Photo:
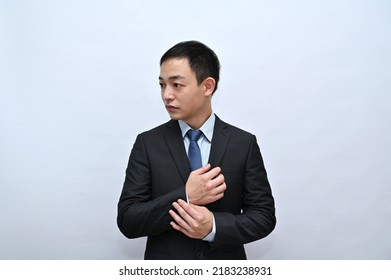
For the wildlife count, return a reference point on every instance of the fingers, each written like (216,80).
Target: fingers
(217,181)
(179,223)
(192,220)
(186,211)
(218,191)
(217,185)
(213,173)
(182,219)
(208,172)
(204,188)
(202,169)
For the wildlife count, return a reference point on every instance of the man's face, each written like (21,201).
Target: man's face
(183,97)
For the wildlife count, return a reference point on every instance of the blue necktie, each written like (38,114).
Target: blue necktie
(194,153)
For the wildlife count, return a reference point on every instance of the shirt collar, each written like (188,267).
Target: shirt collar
(206,128)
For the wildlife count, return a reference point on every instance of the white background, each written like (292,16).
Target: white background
(311,79)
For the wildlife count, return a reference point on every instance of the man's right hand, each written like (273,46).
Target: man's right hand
(205,185)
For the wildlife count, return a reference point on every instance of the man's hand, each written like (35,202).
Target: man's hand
(205,185)
(192,220)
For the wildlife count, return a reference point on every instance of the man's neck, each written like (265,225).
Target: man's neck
(197,123)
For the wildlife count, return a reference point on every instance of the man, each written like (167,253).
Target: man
(195,196)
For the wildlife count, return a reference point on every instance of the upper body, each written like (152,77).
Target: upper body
(206,213)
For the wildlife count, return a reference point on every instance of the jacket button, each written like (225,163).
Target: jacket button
(200,255)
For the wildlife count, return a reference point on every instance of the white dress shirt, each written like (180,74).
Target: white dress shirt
(204,142)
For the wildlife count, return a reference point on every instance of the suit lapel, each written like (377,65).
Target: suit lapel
(219,143)
(173,137)
(175,144)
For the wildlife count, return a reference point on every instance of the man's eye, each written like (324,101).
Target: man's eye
(161,85)
(177,85)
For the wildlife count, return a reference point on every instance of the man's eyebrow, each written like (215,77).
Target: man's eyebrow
(176,77)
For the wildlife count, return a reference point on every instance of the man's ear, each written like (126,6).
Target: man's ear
(209,84)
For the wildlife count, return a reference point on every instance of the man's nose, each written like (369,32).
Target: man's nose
(167,94)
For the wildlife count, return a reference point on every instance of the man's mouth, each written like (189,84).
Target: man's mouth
(171,108)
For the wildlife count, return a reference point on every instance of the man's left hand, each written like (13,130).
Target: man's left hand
(192,220)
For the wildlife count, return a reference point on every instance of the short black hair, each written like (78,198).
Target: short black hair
(202,60)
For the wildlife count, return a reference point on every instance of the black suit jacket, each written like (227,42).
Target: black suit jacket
(156,176)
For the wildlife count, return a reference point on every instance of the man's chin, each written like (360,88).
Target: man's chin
(174,117)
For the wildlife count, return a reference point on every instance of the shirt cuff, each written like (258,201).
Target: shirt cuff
(211,236)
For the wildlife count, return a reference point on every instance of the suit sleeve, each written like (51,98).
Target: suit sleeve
(257,219)
(139,214)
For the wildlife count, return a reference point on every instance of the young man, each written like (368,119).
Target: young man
(200,194)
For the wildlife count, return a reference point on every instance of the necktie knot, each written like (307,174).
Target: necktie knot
(194,134)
